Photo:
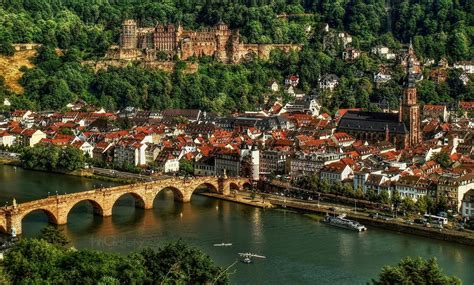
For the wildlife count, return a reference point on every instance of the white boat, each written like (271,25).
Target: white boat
(222,244)
(342,222)
(247,257)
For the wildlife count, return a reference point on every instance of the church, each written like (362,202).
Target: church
(402,129)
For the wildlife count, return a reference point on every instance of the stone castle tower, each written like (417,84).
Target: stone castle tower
(129,34)
(409,108)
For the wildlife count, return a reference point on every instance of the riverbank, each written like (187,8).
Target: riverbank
(9,161)
(393,225)
(321,209)
(83,172)
(241,200)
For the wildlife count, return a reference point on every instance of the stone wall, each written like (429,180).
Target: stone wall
(167,66)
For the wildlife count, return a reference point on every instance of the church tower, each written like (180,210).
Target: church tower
(409,108)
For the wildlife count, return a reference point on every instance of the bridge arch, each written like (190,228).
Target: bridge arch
(97,208)
(234,186)
(177,193)
(52,218)
(211,186)
(246,185)
(140,201)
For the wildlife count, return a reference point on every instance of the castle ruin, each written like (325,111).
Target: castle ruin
(166,42)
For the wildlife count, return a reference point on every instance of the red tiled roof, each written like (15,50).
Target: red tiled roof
(4,134)
(438,108)
(466,105)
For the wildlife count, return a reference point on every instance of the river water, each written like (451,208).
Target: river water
(299,250)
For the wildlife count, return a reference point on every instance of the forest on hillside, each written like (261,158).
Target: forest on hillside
(84,29)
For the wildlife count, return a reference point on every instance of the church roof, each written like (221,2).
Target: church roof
(371,122)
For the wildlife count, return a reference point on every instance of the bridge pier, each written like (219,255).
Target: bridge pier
(60,220)
(145,204)
(105,212)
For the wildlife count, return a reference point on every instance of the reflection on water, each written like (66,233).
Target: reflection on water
(298,250)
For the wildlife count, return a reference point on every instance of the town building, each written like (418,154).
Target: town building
(335,172)
(435,112)
(384,52)
(6,139)
(453,187)
(328,82)
(30,137)
(414,187)
(167,162)
(466,66)
(205,167)
(350,54)
(467,208)
(310,164)
(273,162)
(227,162)
(129,151)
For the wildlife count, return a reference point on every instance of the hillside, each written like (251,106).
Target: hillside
(10,68)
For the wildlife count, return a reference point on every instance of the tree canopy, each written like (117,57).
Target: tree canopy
(416,271)
(36,261)
(52,158)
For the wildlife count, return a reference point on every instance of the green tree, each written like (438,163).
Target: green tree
(186,166)
(36,261)
(71,159)
(384,197)
(407,205)
(422,204)
(415,271)
(396,199)
(177,263)
(371,195)
(54,236)
(359,194)
(33,261)
(443,159)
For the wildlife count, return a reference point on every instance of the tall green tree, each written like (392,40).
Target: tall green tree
(416,271)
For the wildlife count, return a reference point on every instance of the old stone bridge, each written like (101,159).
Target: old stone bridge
(58,207)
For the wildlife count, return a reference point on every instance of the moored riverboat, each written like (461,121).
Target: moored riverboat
(342,222)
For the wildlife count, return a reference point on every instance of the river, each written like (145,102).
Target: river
(299,250)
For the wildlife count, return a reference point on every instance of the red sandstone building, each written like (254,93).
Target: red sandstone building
(169,41)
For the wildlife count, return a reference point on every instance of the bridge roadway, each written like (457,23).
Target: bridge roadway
(58,207)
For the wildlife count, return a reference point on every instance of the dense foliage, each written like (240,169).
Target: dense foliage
(416,271)
(52,158)
(36,261)
(84,30)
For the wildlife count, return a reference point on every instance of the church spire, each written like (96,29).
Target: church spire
(409,109)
